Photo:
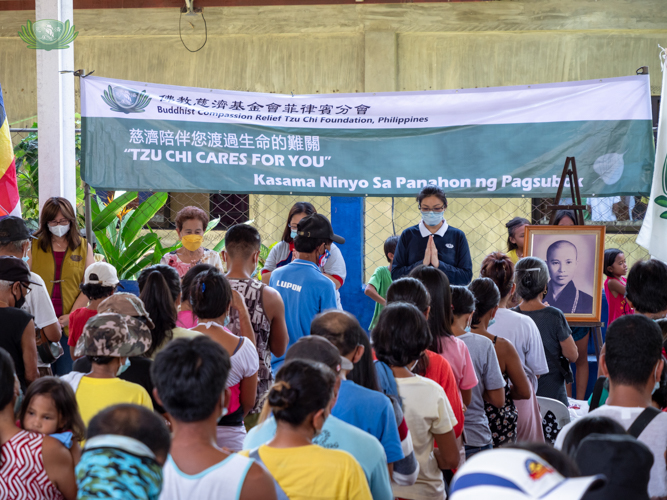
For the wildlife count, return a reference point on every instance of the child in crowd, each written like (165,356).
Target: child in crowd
(516,229)
(211,297)
(381,280)
(301,401)
(99,282)
(49,407)
(491,385)
(186,318)
(400,337)
(615,268)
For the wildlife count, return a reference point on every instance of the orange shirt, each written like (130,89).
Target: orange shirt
(441,373)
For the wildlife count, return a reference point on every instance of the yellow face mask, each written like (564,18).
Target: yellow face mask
(192,241)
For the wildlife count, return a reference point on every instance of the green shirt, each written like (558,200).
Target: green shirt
(381,280)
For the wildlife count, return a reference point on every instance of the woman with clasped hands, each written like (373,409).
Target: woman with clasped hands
(433,242)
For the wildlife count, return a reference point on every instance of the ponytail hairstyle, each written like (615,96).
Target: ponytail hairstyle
(440,317)
(159,289)
(486,295)
(463,300)
(210,294)
(532,276)
(500,269)
(302,387)
(189,277)
(409,290)
(512,226)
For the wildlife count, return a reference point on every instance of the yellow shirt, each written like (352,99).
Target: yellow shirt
(178,333)
(513,256)
(315,473)
(96,394)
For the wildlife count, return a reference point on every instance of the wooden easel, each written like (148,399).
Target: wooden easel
(570,173)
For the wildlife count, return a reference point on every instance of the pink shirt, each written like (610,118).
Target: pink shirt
(186,319)
(456,352)
(618,306)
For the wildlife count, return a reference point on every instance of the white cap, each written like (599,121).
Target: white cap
(102,273)
(509,474)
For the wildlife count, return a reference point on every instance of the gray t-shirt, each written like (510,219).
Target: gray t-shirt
(489,378)
(654,436)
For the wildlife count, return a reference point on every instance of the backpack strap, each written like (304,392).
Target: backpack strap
(238,346)
(280,493)
(597,393)
(642,421)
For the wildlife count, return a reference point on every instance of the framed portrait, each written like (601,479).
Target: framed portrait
(574,257)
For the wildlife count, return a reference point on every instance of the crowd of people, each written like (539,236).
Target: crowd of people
(215,382)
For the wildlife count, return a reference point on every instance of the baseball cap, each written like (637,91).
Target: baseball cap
(317,226)
(625,461)
(13,269)
(109,334)
(316,348)
(126,304)
(14,229)
(101,273)
(513,474)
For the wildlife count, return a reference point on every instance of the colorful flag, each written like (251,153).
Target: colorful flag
(9,191)
(653,234)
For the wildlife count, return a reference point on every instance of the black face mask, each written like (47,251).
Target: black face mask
(18,303)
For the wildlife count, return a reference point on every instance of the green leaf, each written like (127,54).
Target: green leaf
(663,215)
(108,250)
(142,215)
(133,271)
(111,211)
(212,224)
(220,246)
(136,251)
(661,200)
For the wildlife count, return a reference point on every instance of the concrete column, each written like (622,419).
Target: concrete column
(55,110)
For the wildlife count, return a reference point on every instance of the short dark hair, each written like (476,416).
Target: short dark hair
(645,286)
(101,360)
(432,191)
(390,246)
(300,207)
(532,276)
(401,334)
(364,373)
(159,289)
(634,347)
(512,226)
(302,387)
(561,214)
(242,240)
(308,245)
(610,255)
(440,317)
(189,277)
(463,301)
(133,421)
(586,426)
(338,327)
(190,376)
(95,291)
(210,294)
(410,290)
(500,269)
(486,296)
(6,379)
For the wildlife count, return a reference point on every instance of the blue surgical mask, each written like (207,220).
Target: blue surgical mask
(226,322)
(467,329)
(123,367)
(432,218)
(492,321)
(657,381)
(292,234)
(254,273)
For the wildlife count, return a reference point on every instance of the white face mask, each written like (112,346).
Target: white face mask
(59,230)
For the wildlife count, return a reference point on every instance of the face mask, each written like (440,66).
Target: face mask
(19,402)
(123,367)
(254,273)
(467,329)
(292,234)
(432,218)
(226,322)
(656,387)
(324,258)
(18,303)
(192,242)
(59,230)
(492,321)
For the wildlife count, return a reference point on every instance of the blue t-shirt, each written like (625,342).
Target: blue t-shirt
(370,411)
(338,435)
(306,292)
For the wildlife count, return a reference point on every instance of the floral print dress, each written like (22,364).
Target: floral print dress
(502,421)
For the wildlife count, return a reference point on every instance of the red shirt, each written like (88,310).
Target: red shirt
(441,373)
(77,320)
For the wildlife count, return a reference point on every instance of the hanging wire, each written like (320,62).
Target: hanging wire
(181,35)
(393,224)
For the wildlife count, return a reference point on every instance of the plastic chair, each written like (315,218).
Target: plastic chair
(556,407)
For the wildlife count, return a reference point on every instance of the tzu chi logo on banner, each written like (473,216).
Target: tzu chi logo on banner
(126,101)
(48,34)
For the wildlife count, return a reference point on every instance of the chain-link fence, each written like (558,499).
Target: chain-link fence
(482,219)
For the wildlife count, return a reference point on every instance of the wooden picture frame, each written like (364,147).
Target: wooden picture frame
(577,287)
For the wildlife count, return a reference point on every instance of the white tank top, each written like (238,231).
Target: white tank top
(222,481)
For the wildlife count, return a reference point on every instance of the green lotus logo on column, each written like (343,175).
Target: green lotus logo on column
(662,200)
(126,101)
(48,34)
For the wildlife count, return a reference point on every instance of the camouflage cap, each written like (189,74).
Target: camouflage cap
(126,304)
(113,334)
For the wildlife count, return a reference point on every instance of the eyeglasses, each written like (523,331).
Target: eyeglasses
(294,227)
(27,288)
(60,222)
(441,208)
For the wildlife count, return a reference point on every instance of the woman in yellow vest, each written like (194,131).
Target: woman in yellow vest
(60,256)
